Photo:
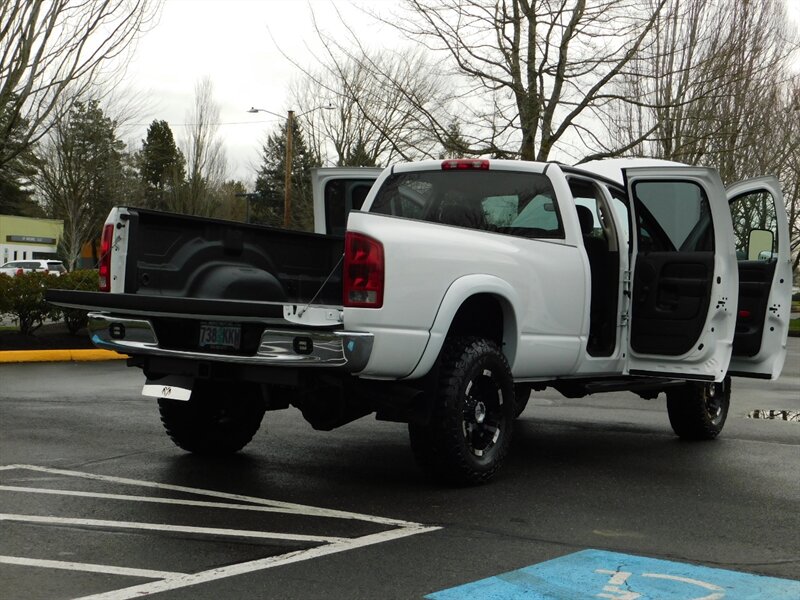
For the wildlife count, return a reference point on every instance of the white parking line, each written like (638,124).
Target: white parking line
(256,565)
(244,533)
(311,511)
(146,499)
(87,567)
(169,581)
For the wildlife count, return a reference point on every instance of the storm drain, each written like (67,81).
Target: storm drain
(776,415)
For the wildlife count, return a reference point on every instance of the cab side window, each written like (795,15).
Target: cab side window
(619,204)
(673,216)
(755,226)
(587,195)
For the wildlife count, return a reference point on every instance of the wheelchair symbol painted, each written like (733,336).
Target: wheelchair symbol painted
(615,576)
(614,589)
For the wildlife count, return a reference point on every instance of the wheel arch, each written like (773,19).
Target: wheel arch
(478,305)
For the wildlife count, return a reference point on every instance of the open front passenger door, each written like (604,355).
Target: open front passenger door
(684,278)
(761,237)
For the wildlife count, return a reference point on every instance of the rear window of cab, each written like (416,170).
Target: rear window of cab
(506,202)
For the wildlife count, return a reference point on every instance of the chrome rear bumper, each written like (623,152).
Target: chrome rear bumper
(278,348)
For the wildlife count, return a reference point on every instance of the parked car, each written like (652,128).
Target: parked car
(17,267)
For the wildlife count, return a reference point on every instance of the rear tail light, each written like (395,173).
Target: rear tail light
(465,164)
(105,258)
(363,271)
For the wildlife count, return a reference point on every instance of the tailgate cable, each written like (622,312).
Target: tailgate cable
(324,283)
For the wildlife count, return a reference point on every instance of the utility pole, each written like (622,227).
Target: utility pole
(287,182)
(287,185)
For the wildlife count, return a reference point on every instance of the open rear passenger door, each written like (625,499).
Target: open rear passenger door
(684,279)
(337,191)
(761,237)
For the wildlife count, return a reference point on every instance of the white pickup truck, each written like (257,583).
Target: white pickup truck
(459,287)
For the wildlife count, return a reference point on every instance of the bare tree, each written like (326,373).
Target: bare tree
(233,202)
(383,103)
(80,174)
(49,47)
(790,173)
(712,82)
(716,87)
(534,72)
(206,164)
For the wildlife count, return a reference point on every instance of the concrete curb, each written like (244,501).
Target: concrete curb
(24,356)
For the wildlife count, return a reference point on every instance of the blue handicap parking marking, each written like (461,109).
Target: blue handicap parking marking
(614,576)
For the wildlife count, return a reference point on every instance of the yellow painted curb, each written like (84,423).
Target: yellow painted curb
(19,356)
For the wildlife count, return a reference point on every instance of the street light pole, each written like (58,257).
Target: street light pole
(287,182)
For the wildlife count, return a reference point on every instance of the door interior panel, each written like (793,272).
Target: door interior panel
(671,295)
(755,283)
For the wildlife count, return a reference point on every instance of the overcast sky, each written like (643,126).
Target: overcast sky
(235,43)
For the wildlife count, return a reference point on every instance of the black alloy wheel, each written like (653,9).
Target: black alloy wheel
(469,433)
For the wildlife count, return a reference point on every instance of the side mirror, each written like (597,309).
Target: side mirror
(759,244)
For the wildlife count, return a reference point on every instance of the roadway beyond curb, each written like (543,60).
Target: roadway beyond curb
(19,356)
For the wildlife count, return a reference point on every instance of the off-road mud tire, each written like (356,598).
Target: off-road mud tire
(469,433)
(213,421)
(522,393)
(697,411)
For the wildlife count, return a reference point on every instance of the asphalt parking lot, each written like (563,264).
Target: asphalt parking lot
(599,499)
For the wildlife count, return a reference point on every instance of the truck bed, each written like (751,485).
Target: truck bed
(183,272)
(183,256)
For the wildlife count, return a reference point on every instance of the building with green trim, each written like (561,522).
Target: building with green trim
(23,238)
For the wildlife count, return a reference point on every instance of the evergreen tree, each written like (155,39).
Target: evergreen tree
(268,209)
(162,165)
(454,145)
(358,155)
(15,173)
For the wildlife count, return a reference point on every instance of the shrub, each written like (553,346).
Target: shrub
(25,300)
(87,279)
(794,326)
(5,293)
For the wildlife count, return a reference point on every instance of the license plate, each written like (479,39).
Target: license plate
(220,336)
